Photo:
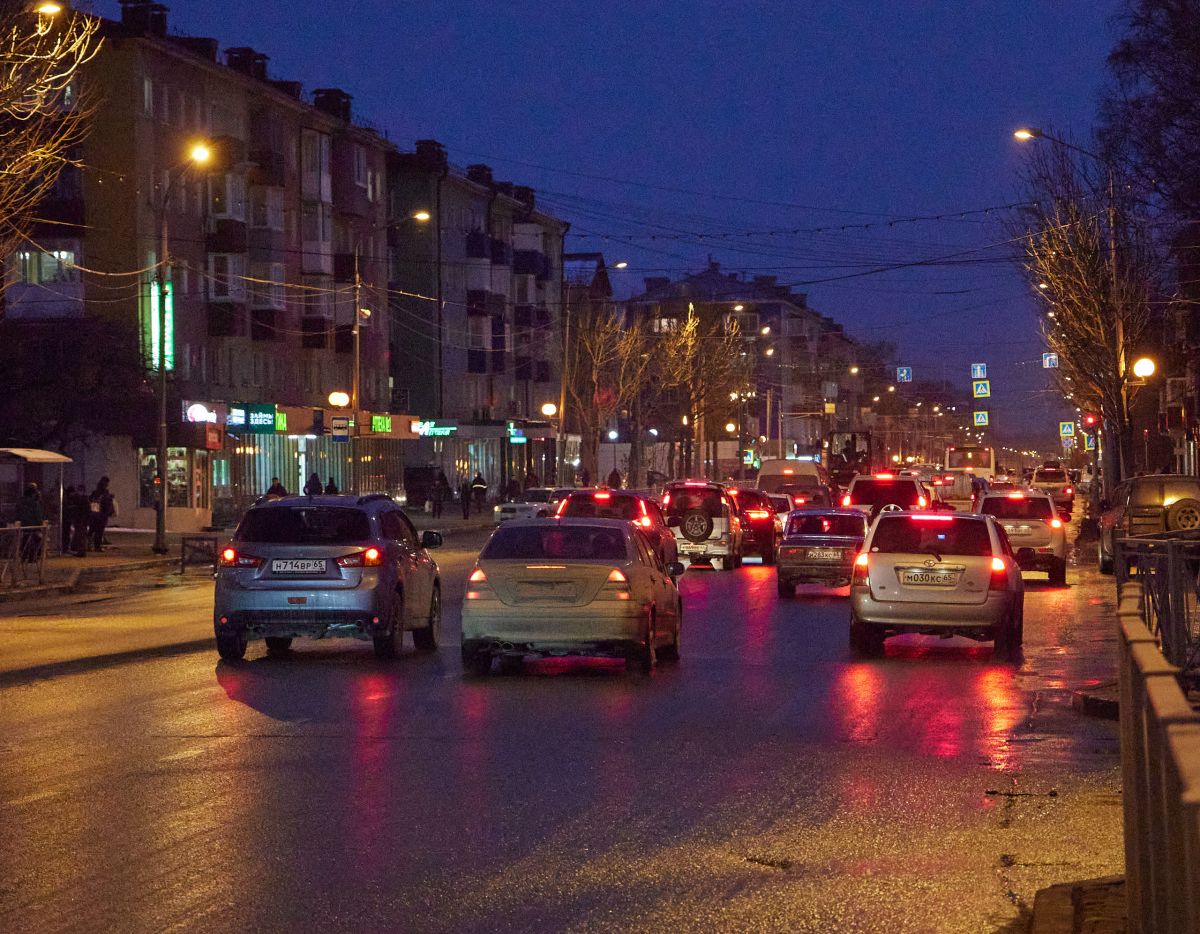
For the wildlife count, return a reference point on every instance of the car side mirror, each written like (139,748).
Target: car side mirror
(673,522)
(431,539)
(675,569)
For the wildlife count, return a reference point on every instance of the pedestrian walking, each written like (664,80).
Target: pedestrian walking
(585,478)
(464,496)
(102,507)
(276,488)
(79,509)
(614,479)
(331,488)
(313,486)
(441,489)
(30,516)
(479,490)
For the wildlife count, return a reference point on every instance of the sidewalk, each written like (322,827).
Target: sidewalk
(1094,906)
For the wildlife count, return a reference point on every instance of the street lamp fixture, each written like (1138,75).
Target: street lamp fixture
(739,307)
(876,399)
(1026,133)
(770,351)
(766,329)
(339,399)
(200,153)
(730,427)
(48,9)
(612,435)
(621,265)
(853,371)
(1143,367)
(421,216)
(549,410)
(654,432)
(891,388)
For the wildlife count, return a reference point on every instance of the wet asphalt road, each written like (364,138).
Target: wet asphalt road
(769,781)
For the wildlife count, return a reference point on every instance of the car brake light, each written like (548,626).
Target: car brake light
(931,517)
(998,566)
(617,576)
(1056,523)
(479,579)
(666,499)
(922,502)
(562,506)
(757,514)
(370,558)
(846,500)
(800,501)
(788,471)
(1016,495)
(999,579)
(602,495)
(1069,491)
(617,584)
(860,575)
(646,522)
(885,476)
(231,558)
(478,576)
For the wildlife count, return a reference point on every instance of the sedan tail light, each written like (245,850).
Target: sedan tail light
(846,501)
(232,558)
(757,514)
(477,585)
(860,576)
(1069,491)
(617,585)
(368,558)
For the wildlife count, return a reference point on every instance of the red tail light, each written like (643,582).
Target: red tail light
(860,576)
(232,558)
(666,499)
(800,501)
(1056,523)
(1016,495)
(617,576)
(922,502)
(369,558)
(1070,491)
(617,584)
(757,514)
(999,579)
(479,580)
(602,495)
(562,506)
(884,476)
(646,522)
(846,500)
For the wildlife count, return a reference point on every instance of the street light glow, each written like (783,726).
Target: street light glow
(621,265)
(421,216)
(730,427)
(853,371)
(766,329)
(48,9)
(339,399)
(200,153)
(1026,133)
(738,307)
(549,410)
(612,434)
(1143,368)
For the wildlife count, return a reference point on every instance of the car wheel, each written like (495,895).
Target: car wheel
(670,653)
(1058,574)
(426,639)
(1105,562)
(645,656)
(278,645)
(1183,515)
(389,644)
(787,589)
(865,638)
(231,646)
(476,663)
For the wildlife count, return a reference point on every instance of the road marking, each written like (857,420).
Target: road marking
(30,799)
(182,754)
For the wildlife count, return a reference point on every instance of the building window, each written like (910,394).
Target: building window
(360,166)
(268,291)
(227,196)
(35,267)
(266,208)
(148,97)
(665,325)
(226,281)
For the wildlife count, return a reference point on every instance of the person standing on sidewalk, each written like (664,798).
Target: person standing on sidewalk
(101,507)
(331,488)
(464,496)
(313,486)
(441,487)
(276,488)
(30,516)
(479,490)
(79,513)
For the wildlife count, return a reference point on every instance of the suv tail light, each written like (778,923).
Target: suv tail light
(1056,523)
(999,579)
(232,558)
(860,576)
(846,500)
(367,558)
(757,514)
(922,502)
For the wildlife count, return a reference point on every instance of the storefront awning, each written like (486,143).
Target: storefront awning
(36,455)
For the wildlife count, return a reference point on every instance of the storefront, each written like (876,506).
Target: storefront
(500,452)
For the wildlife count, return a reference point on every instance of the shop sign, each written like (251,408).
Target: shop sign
(212,437)
(381,424)
(199,412)
(518,439)
(281,421)
(433,429)
(255,419)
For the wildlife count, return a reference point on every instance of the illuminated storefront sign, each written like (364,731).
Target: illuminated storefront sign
(152,340)
(255,419)
(434,429)
(381,424)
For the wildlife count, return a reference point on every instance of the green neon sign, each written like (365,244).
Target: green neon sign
(381,424)
(153,341)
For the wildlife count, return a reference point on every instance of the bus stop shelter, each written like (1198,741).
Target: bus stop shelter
(19,466)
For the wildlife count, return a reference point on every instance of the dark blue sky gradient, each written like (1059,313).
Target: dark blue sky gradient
(778,115)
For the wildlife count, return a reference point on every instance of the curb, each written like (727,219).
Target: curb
(1053,911)
(79,576)
(1095,906)
(1098,701)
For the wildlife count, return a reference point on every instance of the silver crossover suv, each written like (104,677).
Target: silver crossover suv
(327,566)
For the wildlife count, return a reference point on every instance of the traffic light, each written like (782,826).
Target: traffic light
(1090,422)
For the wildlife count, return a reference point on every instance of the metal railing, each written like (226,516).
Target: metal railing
(1167,566)
(1160,770)
(23,555)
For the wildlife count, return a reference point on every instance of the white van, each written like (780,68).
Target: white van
(777,473)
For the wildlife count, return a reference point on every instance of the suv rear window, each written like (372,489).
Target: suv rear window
(932,534)
(828,525)
(304,525)
(601,506)
(1004,507)
(1050,476)
(872,491)
(684,499)
(556,542)
(752,499)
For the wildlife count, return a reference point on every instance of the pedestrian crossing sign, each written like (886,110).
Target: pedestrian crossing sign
(1066,429)
(981,388)
(981,419)
(1089,442)
(1050,361)
(978,371)
(904,374)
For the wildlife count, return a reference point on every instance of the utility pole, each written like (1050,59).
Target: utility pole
(355,384)
(160,519)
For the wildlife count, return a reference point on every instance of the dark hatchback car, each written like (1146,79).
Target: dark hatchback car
(642,511)
(759,533)
(819,547)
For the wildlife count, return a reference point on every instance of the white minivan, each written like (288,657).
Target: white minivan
(777,473)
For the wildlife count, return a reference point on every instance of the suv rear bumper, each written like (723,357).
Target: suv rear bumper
(358,613)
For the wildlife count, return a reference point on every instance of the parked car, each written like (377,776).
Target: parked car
(591,587)
(705,521)
(871,493)
(1034,530)
(936,574)
(535,503)
(760,534)
(1143,505)
(324,567)
(638,508)
(819,547)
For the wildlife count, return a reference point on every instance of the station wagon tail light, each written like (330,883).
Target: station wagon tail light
(846,500)
(999,575)
(998,566)
(757,514)
(368,558)
(1056,523)
(231,558)
(860,570)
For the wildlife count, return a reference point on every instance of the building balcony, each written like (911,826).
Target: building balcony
(270,168)
(501,253)
(263,245)
(531,263)
(226,236)
(225,319)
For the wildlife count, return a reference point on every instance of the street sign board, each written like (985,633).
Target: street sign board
(1066,429)
(978,371)
(1068,443)
(981,388)
(904,374)
(1089,442)
(1049,361)
(981,419)
(339,428)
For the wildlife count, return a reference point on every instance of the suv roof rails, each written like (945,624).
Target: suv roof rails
(372,497)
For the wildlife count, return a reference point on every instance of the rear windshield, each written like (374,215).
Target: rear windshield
(852,526)
(304,525)
(1002,507)
(1050,476)
(602,506)
(874,492)
(751,499)
(556,542)
(684,500)
(537,496)
(938,535)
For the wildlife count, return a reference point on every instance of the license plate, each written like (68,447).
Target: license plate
(693,549)
(298,566)
(1017,532)
(929,578)
(824,554)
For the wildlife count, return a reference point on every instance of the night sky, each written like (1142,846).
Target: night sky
(675,119)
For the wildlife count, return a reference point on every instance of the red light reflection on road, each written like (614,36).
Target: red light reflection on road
(858,692)
(374,700)
(1001,712)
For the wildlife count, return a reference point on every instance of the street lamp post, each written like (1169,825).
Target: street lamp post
(199,155)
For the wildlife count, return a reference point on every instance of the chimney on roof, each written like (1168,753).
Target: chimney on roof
(144,18)
(480,174)
(525,195)
(431,155)
(247,61)
(333,101)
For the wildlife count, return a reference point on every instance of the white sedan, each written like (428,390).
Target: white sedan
(590,587)
(535,503)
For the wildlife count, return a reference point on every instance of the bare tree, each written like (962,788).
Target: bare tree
(42,112)
(1093,262)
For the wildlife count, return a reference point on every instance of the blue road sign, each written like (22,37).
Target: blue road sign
(1049,361)
(981,389)
(1089,442)
(904,374)
(1068,443)
(981,419)
(339,428)
(1066,429)
(978,371)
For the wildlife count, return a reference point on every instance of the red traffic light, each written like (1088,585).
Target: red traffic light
(1090,421)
